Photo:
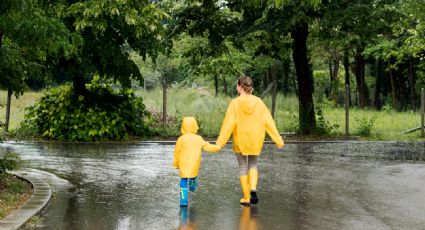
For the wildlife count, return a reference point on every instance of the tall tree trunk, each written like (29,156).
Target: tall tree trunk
(263,83)
(286,69)
(360,79)
(216,85)
(294,81)
(8,103)
(1,38)
(347,71)
(78,82)
(412,83)
(328,91)
(378,89)
(307,119)
(393,90)
(164,103)
(330,70)
(272,77)
(79,85)
(335,79)
(403,91)
(400,87)
(225,86)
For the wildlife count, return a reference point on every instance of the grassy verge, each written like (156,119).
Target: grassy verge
(209,111)
(13,193)
(17,108)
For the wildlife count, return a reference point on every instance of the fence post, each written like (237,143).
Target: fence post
(422,112)
(347,108)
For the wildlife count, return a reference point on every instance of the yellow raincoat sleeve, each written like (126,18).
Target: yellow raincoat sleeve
(210,147)
(177,149)
(228,125)
(272,130)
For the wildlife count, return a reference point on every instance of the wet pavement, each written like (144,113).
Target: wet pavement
(352,185)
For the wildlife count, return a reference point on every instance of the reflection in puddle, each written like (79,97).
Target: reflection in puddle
(187,218)
(302,187)
(248,219)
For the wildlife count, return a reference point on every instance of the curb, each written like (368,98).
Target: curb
(40,198)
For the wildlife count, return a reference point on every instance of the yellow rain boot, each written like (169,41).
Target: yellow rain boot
(245,190)
(253,180)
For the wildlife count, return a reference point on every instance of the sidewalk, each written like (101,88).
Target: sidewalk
(39,199)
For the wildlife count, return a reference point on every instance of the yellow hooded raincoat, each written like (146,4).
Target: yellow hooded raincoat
(187,152)
(248,119)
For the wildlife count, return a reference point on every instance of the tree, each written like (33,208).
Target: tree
(28,35)
(109,29)
(291,17)
(352,27)
(396,56)
(285,17)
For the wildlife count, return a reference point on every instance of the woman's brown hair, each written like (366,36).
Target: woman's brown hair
(246,83)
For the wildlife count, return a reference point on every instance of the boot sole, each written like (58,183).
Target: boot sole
(254,198)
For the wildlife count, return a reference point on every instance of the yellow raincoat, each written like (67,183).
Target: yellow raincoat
(248,119)
(187,152)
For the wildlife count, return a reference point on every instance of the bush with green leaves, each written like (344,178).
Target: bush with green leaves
(364,125)
(102,114)
(323,127)
(9,161)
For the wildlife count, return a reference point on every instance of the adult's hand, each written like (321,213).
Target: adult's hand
(280,146)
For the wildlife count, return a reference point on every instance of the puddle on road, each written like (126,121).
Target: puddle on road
(353,185)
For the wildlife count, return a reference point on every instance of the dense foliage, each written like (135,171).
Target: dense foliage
(311,49)
(103,114)
(9,161)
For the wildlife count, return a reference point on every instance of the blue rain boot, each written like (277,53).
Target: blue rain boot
(193,184)
(184,184)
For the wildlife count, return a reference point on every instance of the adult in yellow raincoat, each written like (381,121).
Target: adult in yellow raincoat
(187,157)
(248,119)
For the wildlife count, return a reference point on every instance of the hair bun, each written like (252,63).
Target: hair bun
(246,83)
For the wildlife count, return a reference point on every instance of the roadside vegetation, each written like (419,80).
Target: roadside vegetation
(368,124)
(13,191)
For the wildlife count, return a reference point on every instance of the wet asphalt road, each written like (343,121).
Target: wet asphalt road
(352,185)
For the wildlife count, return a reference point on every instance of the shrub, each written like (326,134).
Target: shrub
(172,126)
(364,125)
(387,108)
(323,127)
(102,114)
(9,162)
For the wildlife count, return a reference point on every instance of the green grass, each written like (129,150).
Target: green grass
(17,109)
(387,125)
(209,111)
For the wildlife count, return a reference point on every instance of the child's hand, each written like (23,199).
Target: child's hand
(211,148)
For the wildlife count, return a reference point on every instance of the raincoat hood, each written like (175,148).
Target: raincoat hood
(247,103)
(189,125)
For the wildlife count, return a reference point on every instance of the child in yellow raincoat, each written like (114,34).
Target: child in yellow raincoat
(247,119)
(187,157)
